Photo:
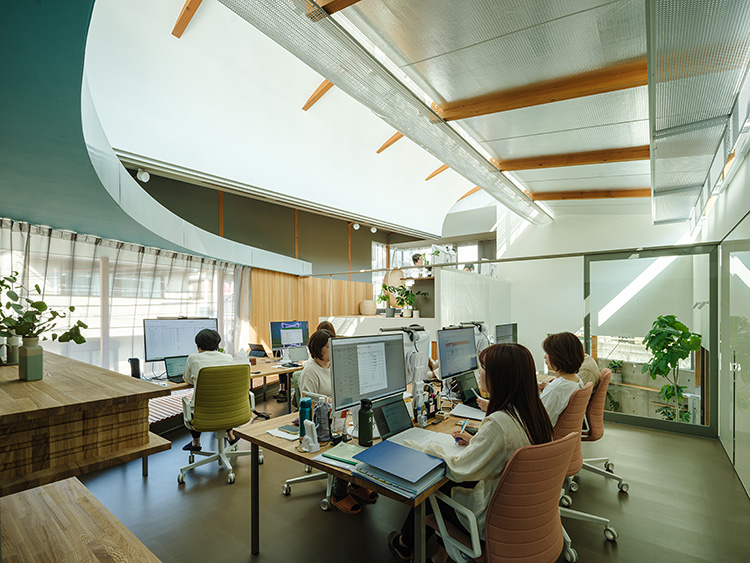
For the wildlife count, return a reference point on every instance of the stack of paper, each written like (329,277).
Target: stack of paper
(344,452)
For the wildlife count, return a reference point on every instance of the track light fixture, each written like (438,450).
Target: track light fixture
(373,230)
(355,226)
(142,175)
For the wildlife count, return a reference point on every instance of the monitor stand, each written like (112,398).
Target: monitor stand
(285,355)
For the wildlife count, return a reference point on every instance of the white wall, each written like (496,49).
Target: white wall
(730,207)
(226,100)
(546,296)
(467,296)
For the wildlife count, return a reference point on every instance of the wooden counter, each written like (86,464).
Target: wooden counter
(79,418)
(65,522)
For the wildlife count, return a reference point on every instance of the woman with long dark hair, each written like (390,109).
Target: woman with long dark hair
(515,418)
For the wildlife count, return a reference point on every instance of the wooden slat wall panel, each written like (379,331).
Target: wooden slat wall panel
(283,297)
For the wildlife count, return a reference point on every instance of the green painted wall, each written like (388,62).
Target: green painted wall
(322,240)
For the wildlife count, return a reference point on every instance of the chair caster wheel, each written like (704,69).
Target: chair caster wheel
(609,466)
(573,487)
(308,469)
(624,487)
(325,505)
(230,478)
(610,534)
(571,556)
(191,458)
(566,501)
(181,479)
(286,490)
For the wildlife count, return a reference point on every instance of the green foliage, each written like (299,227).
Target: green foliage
(384,296)
(25,317)
(670,341)
(615,365)
(613,405)
(403,295)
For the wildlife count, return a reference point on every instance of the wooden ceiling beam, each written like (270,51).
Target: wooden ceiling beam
(609,79)
(473,190)
(589,194)
(319,93)
(443,168)
(626,154)
(187,13)
(396,136)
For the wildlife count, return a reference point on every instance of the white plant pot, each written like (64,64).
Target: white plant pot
(406,313)
(415,314)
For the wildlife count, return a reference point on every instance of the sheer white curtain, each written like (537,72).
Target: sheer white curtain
(142,283)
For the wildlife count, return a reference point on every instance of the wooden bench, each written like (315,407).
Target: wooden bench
(63,521)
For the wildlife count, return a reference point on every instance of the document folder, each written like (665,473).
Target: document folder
(405,463)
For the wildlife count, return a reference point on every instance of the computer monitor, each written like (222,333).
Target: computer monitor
(506,334)
(163,338)
(289,334)
(366,367)
(457,351)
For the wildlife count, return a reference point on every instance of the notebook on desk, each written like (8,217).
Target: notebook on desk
(175,368)
(395,425)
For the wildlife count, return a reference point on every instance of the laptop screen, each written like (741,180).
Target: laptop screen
(466,382)
(175,366)
(391,416)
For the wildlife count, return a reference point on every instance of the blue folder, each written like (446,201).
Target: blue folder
(406,463)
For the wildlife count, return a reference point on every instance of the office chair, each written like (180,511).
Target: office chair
(221,400)
(523,523)
(571,420)
(595,418)
(286,488)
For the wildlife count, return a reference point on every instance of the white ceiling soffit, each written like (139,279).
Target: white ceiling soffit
(327,48)
(698,56)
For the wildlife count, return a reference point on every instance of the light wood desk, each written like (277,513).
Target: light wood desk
(63,521)
(256,434)
(79,418)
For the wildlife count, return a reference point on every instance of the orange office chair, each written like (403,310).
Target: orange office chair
(571,420)
(523,521)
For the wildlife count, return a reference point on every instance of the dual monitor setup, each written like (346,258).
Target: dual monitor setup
(172,340)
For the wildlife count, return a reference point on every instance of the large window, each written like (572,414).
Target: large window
(141,283)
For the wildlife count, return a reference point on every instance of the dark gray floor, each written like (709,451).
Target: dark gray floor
(685,505)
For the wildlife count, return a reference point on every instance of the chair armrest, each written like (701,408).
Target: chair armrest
(187,411)
(476,546)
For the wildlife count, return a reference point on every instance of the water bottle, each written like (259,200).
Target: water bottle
(365,423)
(305,413)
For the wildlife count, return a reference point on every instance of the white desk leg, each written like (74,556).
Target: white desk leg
(420,534)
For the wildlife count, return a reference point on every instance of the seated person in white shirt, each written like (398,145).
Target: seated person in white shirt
(515,418)
(207,341)
(563,354)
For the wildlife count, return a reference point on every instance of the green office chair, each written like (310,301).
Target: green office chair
(221,400)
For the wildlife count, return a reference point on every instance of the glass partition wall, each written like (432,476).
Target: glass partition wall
(624,293)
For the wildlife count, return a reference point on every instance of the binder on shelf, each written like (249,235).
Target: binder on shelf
(399,461)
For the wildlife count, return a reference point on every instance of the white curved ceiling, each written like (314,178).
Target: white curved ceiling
(225,101)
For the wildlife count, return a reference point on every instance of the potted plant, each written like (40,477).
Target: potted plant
(417,295)
(616,367)
(30,319)
(385,297)
(670,341)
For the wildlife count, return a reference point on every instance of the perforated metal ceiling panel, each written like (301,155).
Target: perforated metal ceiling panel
(459,50)
(576,140)
(639,167)
(621,106)
(698,56)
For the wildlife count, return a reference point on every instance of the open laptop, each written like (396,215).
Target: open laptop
(467,384)
(394,424)
(257,351)
(175,368)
